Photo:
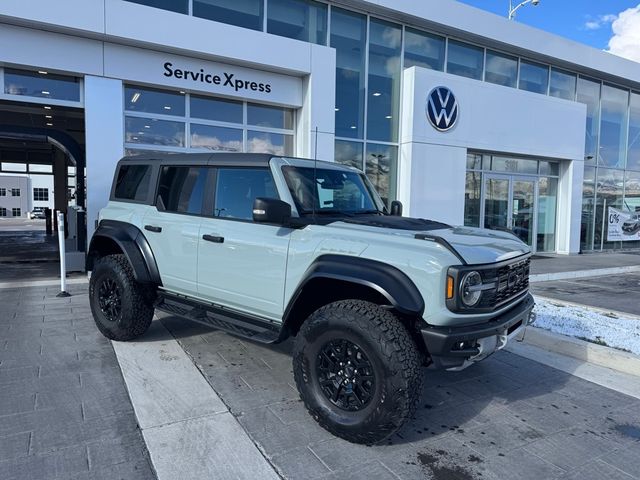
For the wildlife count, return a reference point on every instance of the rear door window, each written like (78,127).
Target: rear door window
(181,189)
(133,183)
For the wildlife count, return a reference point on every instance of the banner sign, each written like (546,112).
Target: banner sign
(623,226)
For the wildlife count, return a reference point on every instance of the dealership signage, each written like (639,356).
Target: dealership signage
(197,75)
(442,108)
(623,226)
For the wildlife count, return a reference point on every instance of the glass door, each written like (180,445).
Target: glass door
(509,203)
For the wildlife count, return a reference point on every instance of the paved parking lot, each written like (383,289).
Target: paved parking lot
(616,292)
(508,417)
(64,408)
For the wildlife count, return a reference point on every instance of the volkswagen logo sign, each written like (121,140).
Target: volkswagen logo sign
(442,109)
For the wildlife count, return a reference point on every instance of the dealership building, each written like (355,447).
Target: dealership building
(464,116)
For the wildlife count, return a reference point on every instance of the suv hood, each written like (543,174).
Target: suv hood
(474,245)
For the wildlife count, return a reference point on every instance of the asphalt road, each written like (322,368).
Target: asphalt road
(615,292)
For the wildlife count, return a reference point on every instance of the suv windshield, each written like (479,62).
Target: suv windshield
(335,192)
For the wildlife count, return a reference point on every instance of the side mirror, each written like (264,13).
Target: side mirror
(396,208)
(271,210)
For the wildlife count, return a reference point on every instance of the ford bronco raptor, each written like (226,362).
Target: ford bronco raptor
(269,247)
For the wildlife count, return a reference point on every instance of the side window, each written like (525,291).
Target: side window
(237,188)
(181,189)
(133,182)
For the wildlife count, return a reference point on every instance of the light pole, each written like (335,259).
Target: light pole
(513,10)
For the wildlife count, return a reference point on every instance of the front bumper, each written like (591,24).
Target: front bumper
(443,343)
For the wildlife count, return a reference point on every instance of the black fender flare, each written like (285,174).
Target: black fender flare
(389,281)
(134,246)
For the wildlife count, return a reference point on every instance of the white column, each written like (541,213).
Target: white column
(318,110)
(569,206)
(104,130)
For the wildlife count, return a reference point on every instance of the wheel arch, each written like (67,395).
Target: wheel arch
(115,237)
(339,277)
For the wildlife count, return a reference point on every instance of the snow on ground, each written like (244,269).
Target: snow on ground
(580,322)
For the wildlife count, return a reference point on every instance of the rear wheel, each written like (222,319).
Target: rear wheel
(357,370)
(122,308)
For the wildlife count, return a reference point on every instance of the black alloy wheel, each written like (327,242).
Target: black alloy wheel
(110,299)
(346,375)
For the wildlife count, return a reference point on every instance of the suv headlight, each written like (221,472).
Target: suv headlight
(471,288)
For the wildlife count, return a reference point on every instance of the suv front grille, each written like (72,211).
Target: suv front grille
(511,280)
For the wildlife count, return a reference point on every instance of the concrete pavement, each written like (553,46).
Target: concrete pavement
(64,409)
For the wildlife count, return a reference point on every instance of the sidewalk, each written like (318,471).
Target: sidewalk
(545,267)
(64,408)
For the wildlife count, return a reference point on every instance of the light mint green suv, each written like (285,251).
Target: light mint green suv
(270,247)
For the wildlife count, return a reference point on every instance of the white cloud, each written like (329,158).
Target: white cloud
(626,34)
(599,22)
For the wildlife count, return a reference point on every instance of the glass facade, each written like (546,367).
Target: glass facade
(423,49)
(157,120)
(241,13)
(304,20)
(534,77)
(465,60)
(41,84)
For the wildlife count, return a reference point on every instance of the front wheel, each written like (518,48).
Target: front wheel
(122,308)
(357,370)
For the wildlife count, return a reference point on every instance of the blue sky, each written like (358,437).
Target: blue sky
(585,21)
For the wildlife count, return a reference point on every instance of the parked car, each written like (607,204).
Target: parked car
(37,213)
(270,247)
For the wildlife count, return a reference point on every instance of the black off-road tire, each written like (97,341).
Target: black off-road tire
(392,354)
(129,316)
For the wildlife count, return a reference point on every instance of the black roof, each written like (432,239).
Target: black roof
(226,159)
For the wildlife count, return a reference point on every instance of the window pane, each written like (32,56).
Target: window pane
(609,194)
(549,168)
(133,182)
(473,186)
(474,161)
(221,139)
(149,100)
(501,69)
(613,126)
(588,203)
(14,167)
(534,77)
(563,84)
(237,188)
(423,50)
(633,158)
(216,109)
(42,85)
(180,6)
(272,117)
(385,43)
(381,167)
(274,143)
(242,13)
(465,60)
(589,94)
(514,165)
(181,189)
(154,132)
(547,207)
(349,153)
(304,20)
(34,168)
(348,34)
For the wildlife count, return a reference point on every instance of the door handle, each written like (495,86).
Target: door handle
(213,238)
(153,228)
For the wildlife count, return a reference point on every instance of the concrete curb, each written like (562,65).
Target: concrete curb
(598,272)
(585,351)
(42,283)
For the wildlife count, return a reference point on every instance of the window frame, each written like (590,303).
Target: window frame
(3,192)
(41,192)
(14,210)
(3,212)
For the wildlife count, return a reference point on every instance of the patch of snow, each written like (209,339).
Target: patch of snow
(580,322)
